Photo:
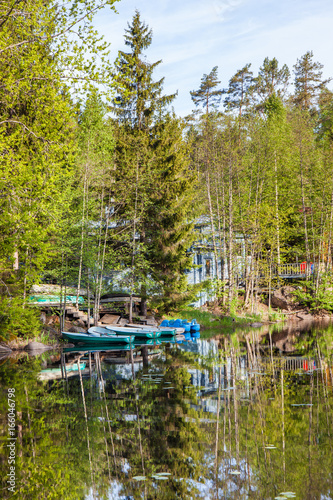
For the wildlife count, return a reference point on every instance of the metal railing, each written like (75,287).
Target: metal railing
(292,363)
(292,270)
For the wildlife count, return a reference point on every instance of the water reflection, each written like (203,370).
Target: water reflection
(231,417)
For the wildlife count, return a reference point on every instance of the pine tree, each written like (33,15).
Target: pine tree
(308,81)
(271,80)
(205,147)
(238,91)
(208,95)
(325,103)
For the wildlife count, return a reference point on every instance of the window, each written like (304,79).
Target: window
(208,266)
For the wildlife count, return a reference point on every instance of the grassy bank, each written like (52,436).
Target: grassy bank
(211,323)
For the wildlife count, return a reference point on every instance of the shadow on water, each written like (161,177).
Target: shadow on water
(248,415)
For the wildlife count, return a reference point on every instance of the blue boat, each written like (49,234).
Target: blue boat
(195,327)
(187,335)
(195,335)
(189,326)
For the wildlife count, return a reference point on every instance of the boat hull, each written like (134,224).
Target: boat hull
(97,338)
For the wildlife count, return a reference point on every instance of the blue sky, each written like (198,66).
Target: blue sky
(193,36)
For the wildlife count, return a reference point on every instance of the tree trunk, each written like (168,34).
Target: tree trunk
(211,216)
(231,236)
(133,243)
(82,241)
(307,249)
(277,214)
(99,270)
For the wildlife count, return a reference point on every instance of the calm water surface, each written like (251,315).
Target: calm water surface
(246,416)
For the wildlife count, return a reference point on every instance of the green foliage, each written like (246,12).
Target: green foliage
(308,81)
(37,137)
(316,298)
(274,106)
(17,320)
(238,93)
(275,315)
(234,306)
(215,288)
(271,80)
(82,193)
(90,250)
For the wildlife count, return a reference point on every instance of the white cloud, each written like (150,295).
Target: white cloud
(221,7)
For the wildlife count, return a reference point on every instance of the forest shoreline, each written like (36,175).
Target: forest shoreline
(50,336)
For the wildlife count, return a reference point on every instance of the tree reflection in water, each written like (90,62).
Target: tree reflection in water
(226,418)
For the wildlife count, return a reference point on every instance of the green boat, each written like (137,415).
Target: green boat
(97,338)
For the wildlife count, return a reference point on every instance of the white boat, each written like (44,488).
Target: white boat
(143,330)
(165,330)
(138,333)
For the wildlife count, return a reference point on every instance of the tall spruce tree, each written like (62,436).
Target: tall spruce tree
(150,154)
(138,98)
(171,212)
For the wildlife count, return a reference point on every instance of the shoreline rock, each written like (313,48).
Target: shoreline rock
(37,346)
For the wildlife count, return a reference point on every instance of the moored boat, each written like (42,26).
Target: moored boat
(165,330)
(195,335)
(97,337)
(187,326)
(139,333)
(195,327)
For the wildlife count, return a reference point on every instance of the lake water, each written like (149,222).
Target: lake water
(242,416)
